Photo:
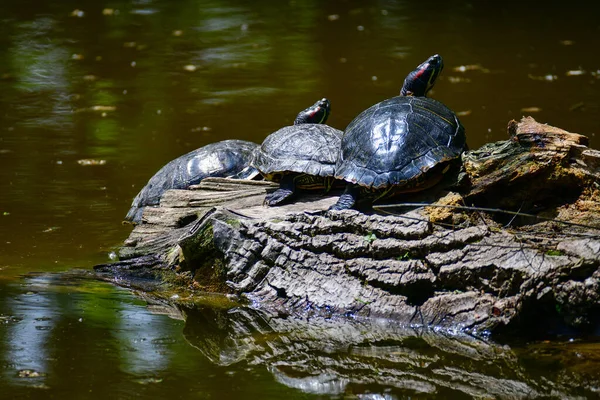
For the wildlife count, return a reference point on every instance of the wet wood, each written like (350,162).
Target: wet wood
(427,265)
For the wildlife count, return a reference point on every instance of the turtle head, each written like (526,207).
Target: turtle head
(315,114)
(418,82)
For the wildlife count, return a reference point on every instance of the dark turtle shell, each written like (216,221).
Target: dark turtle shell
(395,142)
(305,149)
(228,158)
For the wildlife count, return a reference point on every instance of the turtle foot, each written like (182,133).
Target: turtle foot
(278,197)
(345,202)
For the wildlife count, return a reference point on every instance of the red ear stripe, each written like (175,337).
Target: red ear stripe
(420,72)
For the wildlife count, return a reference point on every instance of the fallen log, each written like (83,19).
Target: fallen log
(512,243)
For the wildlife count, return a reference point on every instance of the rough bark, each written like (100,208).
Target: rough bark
(437,265)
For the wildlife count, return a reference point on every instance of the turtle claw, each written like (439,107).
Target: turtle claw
(278,197)
(346,200)
(285,191)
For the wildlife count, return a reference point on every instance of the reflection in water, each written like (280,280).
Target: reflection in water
(143,337)
(27,340)
(335,356)
(135,84)
(63,324)
(67,336)
(43,76)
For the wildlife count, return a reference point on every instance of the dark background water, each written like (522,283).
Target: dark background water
(131,85)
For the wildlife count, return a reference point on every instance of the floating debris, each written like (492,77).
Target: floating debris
(90,161)
(51,229)
(575,72)
(102,109)
(190,68)
(5,213)
(548,78)
(77,57)
(360,28)
(29,373)
(90,78)
(109,11)
(458,79)
(566,42)
(129,44)
(464,113)
(577,106)
(333,17)
(201,129)
(144,11)
(148,381)
(531,109)
(77,13)
(177,32)
(471,67)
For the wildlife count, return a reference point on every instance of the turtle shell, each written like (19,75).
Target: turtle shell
(228,158)
(395,142)
(305,149)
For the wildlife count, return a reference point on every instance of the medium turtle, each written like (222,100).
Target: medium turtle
(301,156)
(401,144)
(228,158)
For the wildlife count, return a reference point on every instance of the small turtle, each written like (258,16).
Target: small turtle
(301,156)
(401,144)
(228,158)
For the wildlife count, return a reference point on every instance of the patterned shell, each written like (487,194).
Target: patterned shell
(305,148)
(398,140)
(228,158)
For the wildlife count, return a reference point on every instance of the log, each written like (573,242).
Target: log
(509,244)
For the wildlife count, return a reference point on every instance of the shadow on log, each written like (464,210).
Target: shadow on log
(528,261)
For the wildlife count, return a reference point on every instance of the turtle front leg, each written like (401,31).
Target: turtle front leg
(347,199)
(286,190)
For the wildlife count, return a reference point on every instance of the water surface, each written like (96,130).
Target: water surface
(97,95)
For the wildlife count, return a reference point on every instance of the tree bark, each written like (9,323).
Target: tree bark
(444,265)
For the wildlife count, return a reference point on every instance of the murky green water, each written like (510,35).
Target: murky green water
(133,84)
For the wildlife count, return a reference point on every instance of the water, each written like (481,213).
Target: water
(131,85)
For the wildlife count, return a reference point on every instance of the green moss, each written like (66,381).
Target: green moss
(233,222)
(370,238)
(554,253)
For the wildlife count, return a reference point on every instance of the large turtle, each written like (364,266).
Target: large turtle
(228,158)
(301,156)
(401,144)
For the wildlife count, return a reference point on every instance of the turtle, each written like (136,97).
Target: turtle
(301,156)
(227,158)
(402,144)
